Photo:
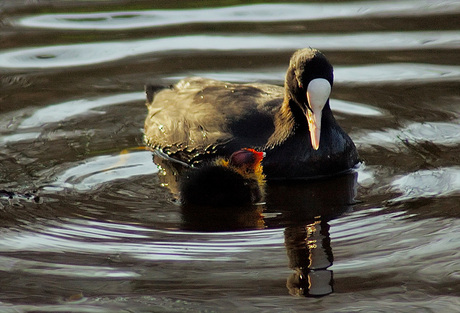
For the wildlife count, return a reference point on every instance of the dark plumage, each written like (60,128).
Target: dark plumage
(198,118)
(237,181)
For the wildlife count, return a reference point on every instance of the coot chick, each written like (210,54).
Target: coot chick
(237,181)
(198,118)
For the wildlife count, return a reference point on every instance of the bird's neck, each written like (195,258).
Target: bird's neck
(290,120)
(284,124)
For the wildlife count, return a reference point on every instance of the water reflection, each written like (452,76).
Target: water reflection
(301,203)
(230,219)
(303,208)
(310,255)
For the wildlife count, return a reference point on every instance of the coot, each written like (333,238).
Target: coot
(199,118)
(237,181)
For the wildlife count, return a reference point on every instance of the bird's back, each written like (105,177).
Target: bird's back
(200,115)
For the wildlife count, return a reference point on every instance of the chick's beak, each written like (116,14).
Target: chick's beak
(259,156)
(318,92)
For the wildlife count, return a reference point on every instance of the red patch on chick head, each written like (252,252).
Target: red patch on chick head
(246,158)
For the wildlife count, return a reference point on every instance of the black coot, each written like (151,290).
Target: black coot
(237,181)
(200,118)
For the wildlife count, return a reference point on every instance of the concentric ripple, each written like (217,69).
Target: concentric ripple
(62,111)
(94,53)
(85,236)
(103,169)
(391,73)
(255,13)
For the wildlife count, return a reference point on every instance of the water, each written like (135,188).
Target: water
(90,224)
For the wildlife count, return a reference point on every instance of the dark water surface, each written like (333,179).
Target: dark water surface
(90,224)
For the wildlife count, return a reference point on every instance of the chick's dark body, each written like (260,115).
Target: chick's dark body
(218,186)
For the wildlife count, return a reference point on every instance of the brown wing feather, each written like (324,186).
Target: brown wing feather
(198,113)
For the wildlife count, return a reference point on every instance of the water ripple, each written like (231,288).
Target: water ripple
(94,53)
(354,108)
(439,133)
(369,239)
(27,128)
(102,169)
(153,245)
(62,111)
(357,74)
(16,265)
(398,72)
(428,183)
(255,13)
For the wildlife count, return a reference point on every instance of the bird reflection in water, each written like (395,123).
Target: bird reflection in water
(302,208)
(236,181)
(222,195)
(310,255)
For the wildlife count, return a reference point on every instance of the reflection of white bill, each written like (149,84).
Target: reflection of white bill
(320,282)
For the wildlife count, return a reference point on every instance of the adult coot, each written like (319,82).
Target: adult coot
(237,181)
(199,117)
